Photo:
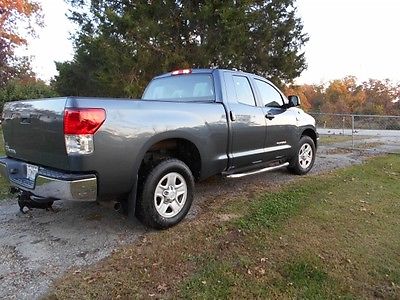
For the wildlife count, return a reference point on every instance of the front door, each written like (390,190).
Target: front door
(281,122)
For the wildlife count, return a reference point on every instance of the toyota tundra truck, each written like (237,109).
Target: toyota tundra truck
(147,153)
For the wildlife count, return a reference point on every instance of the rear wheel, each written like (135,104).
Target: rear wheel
(304,159)
(167,194)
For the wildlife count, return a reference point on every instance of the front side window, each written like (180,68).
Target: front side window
(192,87)
(269,95)
(244,93)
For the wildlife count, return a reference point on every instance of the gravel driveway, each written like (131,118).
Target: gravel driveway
(38,247)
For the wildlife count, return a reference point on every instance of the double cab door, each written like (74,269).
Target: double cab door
(261,129)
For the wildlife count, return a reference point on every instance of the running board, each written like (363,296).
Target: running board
(239,175)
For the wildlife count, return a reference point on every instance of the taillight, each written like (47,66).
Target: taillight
(79,127)
(182,72)
(83,121)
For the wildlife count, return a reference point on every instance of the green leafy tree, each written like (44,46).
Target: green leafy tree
(121,45)
(22,89)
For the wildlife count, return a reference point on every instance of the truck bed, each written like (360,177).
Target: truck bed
(33,132)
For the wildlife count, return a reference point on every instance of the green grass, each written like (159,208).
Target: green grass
(4,187)
(352,215)
(334,139)
(322,237)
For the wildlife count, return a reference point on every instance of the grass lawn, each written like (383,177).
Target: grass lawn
(333,139)
(323,237)
(4,194)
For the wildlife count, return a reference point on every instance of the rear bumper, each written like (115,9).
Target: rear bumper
(49,184)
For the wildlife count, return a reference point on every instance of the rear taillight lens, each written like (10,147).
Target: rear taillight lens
(79,127)
(83,121)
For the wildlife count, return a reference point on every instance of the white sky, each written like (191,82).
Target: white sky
(347,37)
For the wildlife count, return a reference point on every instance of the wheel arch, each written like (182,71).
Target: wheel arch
(311,132)
(176,145)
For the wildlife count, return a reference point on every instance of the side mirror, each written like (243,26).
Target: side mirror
(294,101)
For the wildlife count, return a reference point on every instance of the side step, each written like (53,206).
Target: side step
(239,175)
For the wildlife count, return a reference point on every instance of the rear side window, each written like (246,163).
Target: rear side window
(269,95)
(244,93)
(192,87)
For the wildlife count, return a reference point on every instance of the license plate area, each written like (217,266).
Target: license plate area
(31,172)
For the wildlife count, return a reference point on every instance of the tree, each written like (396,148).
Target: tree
(121,45)
(15,15)
(348,96)
(344,96)
(311,95)
(22,89)
(380,97)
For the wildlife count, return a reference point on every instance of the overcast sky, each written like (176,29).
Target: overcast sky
(347,37)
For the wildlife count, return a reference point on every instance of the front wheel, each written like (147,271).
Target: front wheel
(304,159)
(167,194)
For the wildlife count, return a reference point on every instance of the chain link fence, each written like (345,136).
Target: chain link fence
(359,132)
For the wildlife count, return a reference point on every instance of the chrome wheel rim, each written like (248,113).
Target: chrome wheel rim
(305,156)
(170,195)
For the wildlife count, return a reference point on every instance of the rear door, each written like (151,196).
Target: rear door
(281,122)
(248,124)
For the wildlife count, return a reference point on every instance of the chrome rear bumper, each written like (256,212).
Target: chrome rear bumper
(50,184)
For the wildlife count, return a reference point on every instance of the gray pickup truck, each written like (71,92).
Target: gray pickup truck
(146,154)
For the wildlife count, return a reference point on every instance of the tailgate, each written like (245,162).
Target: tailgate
(33,132)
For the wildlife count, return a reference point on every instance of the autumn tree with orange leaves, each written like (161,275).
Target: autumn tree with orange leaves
(17,20)
(348,95)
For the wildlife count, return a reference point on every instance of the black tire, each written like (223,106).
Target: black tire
(296,165)
(146,206)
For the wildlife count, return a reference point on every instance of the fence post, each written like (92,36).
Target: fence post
(343,123)
(352,132)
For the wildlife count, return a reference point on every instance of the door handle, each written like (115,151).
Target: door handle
(25,121)
(269,116)
(232,115)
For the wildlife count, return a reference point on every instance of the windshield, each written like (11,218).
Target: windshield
(192,87)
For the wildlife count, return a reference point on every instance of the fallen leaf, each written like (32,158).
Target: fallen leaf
(162,287)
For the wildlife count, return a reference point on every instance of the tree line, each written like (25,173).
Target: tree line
(120,45)
(348,95)
(17,80)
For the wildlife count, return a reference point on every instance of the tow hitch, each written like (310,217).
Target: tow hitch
(26,199)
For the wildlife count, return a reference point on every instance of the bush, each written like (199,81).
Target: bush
(18,89)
